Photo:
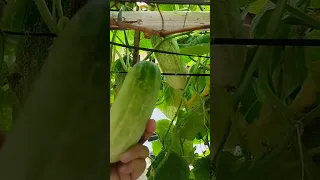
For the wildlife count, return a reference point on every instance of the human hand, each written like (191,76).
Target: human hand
(132,162)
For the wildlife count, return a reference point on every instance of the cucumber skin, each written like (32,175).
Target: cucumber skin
(170,63)
(133,107)
(62,131)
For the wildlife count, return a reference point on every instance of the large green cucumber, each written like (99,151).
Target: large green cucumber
(133,107)
(62,131)
(170,63)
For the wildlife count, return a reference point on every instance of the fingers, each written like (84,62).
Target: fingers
(136,152)
(124,176)
(114,175)
(133,169)
(151,126)
(150,129)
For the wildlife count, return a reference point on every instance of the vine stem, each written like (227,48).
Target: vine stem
(162,20)
(2,44)
(10,9)
(59,9)
(54,11)
(46,15)
(298,126)
(174,137)
(185,18)
(112,55)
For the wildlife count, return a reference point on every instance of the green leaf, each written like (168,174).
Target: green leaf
(162,127)
(315,4)
(259,22)
(294,70)
(197,45)
(257,6)
(175,167)
(156,147)
(192,123)
(121,35)
(262,20)
(184,148)
(201,168)
(197,141)
(144,42)
(5,109)
(221,111)
(172,141)
(245,2)
(312,55)
(224,165)
(167,7)
(250,104)
(198,39)
(196,50)
(170,101)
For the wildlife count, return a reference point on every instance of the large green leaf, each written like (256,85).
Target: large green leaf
(225,162)
(294,70)
(163,131)
(250,104)
(257,6)
(172,140)
(123,35)
(245,2)
(169,101)
(193,123)
(167,7)
(173,167)
(315,4)
(262,21)
(312,55)
(259,23)
(221,113)
(196,50)
(5,108)
(156,147)
(202,168)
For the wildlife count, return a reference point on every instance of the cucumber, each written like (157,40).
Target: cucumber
(62,131)
(170,63)
(133,107)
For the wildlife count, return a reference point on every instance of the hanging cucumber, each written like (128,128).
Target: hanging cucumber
(170,63)
(62,131)
(133,107)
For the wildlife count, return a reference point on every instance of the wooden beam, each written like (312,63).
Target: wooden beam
(173,20)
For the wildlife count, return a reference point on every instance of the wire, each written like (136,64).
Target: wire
(214,41)
(38,34)
(158,51)
(167,74)
(265,42)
